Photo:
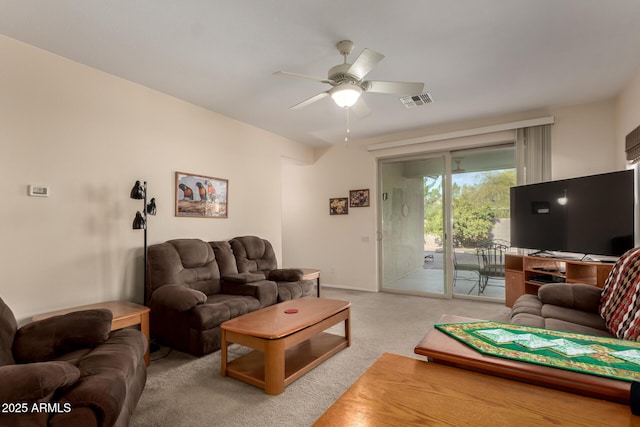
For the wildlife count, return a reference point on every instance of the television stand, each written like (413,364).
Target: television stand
(524,274)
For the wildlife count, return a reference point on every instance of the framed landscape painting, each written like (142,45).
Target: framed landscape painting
(200,196)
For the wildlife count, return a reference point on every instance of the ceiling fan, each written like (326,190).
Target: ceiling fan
(347,84)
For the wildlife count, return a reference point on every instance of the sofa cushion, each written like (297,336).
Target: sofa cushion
(619,306)
(177,297)
(193,252)
(225,258)
(527,303)
(561,325)
(121,352)
(35,382)
(49,338)
(286,275)
(188,262)
(244,277)
(570,315)
(220,308)
(292,290)
(528,319)
(30,384)
(265,291)
(253,254)
(8,328)
(113,376)
(577,296)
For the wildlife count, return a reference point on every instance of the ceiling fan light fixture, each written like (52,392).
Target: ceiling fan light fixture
(346,95)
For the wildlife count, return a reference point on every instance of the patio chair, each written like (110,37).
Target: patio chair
(467,266)
(492,262)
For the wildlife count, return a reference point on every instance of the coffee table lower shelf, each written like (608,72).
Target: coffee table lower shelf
(287,345)
(298,360)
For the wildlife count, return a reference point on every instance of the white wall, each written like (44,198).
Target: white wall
(627,115)
(627,119)
(583,140)
(89,136)
(343,247)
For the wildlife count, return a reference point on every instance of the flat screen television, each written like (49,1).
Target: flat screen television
(590,215)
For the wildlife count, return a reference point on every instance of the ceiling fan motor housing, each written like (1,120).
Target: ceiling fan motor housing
(339,74)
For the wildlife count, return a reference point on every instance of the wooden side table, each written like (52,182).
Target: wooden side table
(125,314)
(310,274)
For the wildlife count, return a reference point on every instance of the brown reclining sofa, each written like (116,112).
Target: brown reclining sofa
(193,286)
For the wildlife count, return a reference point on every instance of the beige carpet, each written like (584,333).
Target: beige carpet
(183,390)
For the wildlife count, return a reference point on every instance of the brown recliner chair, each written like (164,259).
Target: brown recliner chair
(256,255)
(69,370)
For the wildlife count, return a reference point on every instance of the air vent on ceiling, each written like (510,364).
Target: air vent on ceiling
(416,100)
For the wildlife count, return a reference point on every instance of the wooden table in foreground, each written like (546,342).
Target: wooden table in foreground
(287,344)
(125,314)
(441,348)
(401,391)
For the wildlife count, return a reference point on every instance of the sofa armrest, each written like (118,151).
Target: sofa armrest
(177,297)
(244,277)
(33,382)
(265,291)
(100,396)
(49,338)
(286,274)
(577,296)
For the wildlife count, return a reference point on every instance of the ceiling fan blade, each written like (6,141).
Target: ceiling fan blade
(302,77)
(311,100)
(365,63)
(397,88)
(360,109)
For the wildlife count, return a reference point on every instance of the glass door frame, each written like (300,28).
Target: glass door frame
(447,224)
(448,262)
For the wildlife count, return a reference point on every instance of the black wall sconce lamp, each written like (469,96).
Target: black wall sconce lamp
(139,192)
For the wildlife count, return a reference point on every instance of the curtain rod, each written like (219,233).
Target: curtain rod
(462,133)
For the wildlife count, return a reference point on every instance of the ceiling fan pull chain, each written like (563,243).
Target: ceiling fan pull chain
(346,137)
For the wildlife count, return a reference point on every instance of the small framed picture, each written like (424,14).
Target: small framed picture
(199,196)
(359,198)
(339,206)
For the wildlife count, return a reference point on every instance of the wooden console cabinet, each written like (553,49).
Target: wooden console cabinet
(525,274)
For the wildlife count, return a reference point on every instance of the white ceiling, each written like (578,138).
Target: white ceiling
(477,58)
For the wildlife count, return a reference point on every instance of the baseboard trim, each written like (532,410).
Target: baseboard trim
(346,288)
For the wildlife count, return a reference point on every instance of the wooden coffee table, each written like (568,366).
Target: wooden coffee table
(401,391)
(287,344)
(440,347)
(125,314)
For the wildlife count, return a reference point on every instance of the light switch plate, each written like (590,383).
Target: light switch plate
(38,191)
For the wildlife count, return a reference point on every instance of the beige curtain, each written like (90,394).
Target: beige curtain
(533,154)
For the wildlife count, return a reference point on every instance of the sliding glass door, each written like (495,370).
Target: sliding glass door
(413,234)
(440,215)
(480,183)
